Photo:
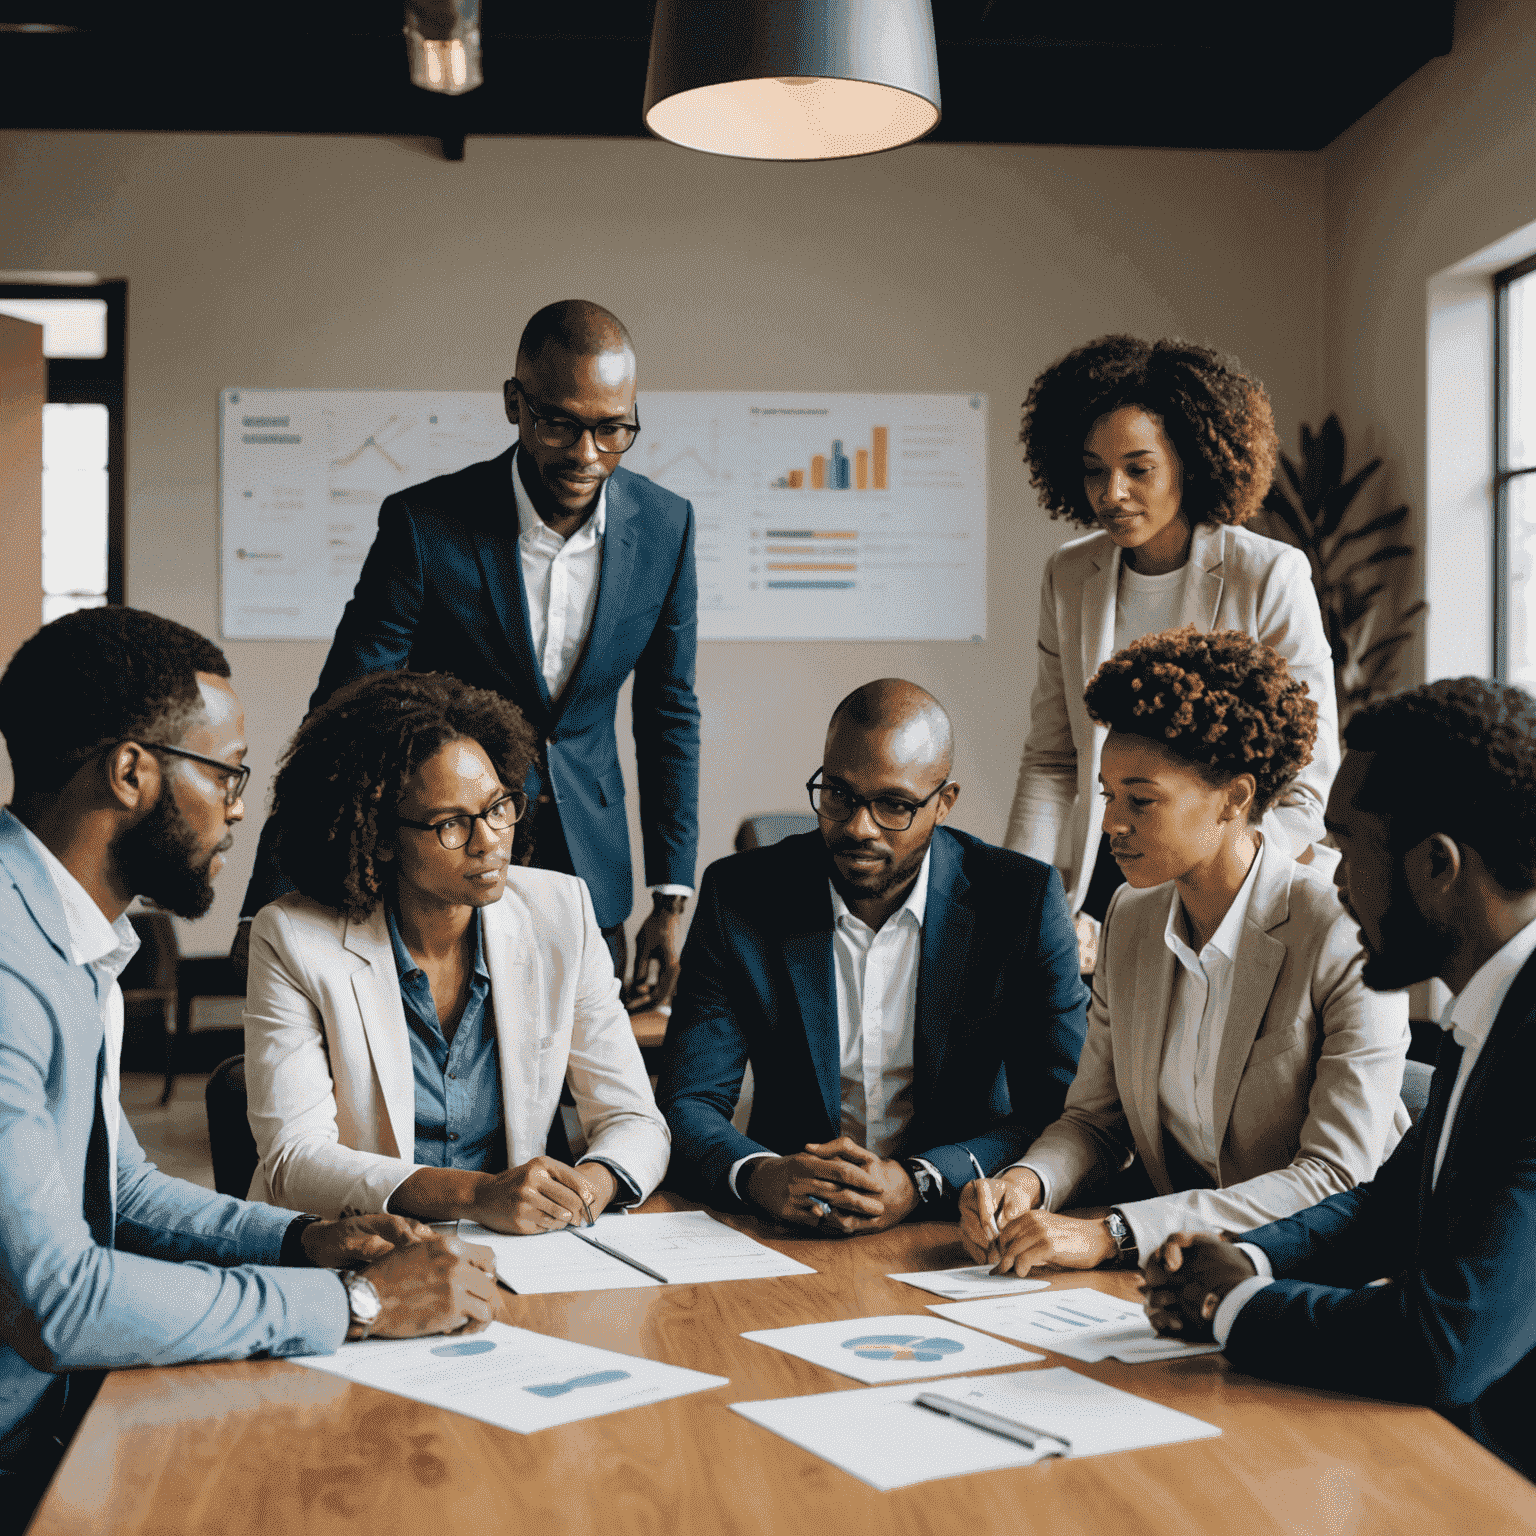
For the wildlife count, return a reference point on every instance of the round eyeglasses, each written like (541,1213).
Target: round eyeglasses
(455,831)
(836,802)
(565,431)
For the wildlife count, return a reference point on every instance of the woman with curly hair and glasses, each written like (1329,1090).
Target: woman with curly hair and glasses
(416,1005)
(1164,449)
(1237,1069)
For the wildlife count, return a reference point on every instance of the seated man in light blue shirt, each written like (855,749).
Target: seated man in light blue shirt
(126,743)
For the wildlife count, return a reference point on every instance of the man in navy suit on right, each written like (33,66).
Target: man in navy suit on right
(908,996)
(1434,809)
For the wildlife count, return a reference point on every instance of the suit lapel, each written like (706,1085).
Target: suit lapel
(1098,611)
(33,883)
(376,990)
(948,923)
(808,958)
(520,1003)
(1203,581)
(1151,994)
(496,550)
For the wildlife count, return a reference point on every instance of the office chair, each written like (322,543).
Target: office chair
(153,976)
(229,1132)
(760,831)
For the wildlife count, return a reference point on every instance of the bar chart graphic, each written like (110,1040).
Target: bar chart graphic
(868,470)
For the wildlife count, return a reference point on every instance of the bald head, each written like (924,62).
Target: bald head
(578,328)
(920,735)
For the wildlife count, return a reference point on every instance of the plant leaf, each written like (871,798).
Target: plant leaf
(1291,472)
(1330,456)
(1376,525)
(1337,502)
(1278,505)
(1379,557)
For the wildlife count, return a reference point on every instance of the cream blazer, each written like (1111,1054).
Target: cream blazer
(331,1090)
(1308,1075)
(1234,579)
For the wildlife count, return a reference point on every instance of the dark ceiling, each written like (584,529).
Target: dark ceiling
(1128,72)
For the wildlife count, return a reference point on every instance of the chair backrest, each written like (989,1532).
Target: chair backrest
(760,831)
(229,1132)
(154,968)
(1416,1080)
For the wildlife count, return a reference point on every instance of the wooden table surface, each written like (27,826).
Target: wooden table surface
(272,1449)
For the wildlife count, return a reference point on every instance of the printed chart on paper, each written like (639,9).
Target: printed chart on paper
(819,516)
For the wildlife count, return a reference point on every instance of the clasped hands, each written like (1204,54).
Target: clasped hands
(865,1193)
(1001,1225)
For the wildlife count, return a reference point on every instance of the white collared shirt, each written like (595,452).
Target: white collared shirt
(560,577)
(1469,1017)
(104,949)
(1197,1019)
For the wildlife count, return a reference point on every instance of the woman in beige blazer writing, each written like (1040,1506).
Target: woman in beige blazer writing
(1165,449)
(415,1007)
(1236,1069)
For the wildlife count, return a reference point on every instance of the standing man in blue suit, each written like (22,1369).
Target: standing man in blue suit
(1435,811)
(127,742)
(908,996)
(549,575)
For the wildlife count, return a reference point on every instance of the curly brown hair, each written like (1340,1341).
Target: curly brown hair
(1222,702)
(1216,416)
(343,775)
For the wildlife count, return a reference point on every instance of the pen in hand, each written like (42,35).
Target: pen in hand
(984,1200)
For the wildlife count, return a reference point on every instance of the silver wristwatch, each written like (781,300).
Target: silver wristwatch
(362,1301)
(1124,1239)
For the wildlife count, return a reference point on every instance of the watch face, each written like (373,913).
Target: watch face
(362,1300)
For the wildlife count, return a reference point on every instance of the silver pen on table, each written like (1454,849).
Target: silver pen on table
(994,1423)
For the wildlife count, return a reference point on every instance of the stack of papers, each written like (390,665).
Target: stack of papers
(971,1281)
(1082,1324)
(883,1438)
(510,1377)
(899,1348)
(671,1248)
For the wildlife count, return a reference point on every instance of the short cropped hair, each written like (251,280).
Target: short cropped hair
(341,780)
(1458,757)
(95,678)
(1222,702)
(577,326)
(1217,417)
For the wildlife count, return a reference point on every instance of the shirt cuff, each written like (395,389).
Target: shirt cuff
(1258,1258)
(628,1192)
(1045,1182)
(939,1187)
(1234,1302)
(738,1165)
(672,890)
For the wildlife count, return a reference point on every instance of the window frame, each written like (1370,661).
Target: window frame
(96,381)
(1504,474)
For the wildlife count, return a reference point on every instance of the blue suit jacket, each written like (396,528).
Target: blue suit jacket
(442,591)
(1000,1012)
(83,1287)
(1456,1328)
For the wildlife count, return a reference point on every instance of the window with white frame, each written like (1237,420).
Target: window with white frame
(1515,475)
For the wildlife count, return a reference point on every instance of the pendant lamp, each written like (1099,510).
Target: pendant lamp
(442,45)
(792,79)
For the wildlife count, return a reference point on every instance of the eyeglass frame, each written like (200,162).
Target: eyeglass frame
(241,772)
(858,802)
(516,796)
(582,427)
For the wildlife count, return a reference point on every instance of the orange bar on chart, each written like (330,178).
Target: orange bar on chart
(818,471)
(796,478)
(861,469)
(881,479)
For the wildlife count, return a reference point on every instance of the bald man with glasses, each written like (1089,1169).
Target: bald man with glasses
(549,575)
(907,995)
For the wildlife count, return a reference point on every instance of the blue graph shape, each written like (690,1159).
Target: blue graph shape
(902,1346)
(468,1347)
(560,1388)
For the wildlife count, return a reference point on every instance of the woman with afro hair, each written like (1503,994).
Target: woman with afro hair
(1164,449)
(1237,1068)
(416,1005)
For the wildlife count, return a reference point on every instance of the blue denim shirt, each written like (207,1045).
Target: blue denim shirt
(458,1086)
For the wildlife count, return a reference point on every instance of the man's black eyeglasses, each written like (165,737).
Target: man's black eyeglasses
(563,431)
(835,802)
(235,779)
(455,831)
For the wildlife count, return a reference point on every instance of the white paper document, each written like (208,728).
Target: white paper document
(973,1280)
(678,1247)
(510,1377)
(1082,1324)
(883,1438)
(899,1348)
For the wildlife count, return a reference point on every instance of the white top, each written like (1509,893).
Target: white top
(1197,1017)
(1146,605)
(104,949)
(560,577)
(1469,1017)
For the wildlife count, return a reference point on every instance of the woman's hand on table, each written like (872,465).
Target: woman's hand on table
(1043,1237)
(543,1195)
(982,1216)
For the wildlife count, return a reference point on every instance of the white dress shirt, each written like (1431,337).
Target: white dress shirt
(1469,1017)
(104,949)
(875,975)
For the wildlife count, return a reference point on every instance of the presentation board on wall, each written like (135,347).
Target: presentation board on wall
(820,516)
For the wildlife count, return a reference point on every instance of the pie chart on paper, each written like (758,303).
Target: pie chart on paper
(902,1346)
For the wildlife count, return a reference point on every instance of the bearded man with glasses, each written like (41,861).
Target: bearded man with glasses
(907,995)
(549,575)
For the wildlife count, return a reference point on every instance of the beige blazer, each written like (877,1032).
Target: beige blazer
(1308,1075)
(328,1059)
(1234,580)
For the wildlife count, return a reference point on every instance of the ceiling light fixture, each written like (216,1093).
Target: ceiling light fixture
(442,43)
(792,79)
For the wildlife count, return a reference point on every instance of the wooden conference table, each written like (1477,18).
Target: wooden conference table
(273,1449)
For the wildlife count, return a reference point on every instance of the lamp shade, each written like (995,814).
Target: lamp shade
(792,79)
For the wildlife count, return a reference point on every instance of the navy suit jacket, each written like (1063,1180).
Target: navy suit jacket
(1456,1328)
(1000,1012)
(442,591)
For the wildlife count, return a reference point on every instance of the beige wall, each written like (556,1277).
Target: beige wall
(23,389)
(353,262)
